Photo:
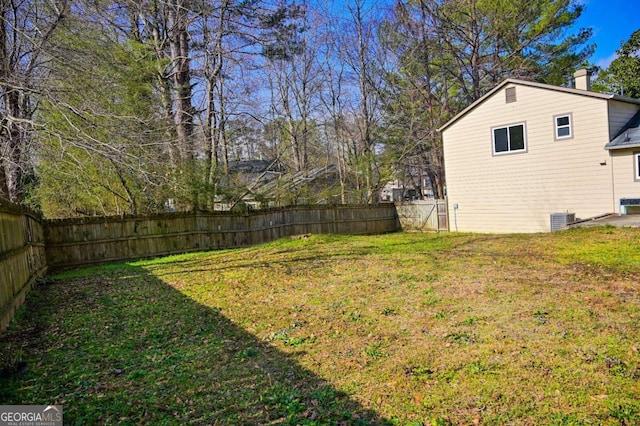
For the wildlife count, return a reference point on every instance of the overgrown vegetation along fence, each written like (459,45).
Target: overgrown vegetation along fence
(79,242)
(22,257)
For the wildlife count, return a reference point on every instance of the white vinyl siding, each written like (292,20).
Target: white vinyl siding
(518,193)
(563,126)
(626,176)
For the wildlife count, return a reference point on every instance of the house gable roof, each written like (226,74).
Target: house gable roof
(629,136)
(542,86)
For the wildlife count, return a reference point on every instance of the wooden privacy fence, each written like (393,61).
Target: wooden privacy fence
(79,242)
(30,246)
(427,215)
(22,257)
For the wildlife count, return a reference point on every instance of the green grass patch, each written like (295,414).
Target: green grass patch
(394,329)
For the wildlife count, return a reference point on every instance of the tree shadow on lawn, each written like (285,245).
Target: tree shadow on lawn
(123,347)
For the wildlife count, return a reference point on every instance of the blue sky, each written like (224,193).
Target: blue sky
(613,21)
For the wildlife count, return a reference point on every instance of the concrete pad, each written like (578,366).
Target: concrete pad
(626,220)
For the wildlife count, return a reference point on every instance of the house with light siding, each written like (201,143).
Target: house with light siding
(526,151)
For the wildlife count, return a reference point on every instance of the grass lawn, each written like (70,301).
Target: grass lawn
(406,329)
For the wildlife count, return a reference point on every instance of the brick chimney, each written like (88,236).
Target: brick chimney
(582,79)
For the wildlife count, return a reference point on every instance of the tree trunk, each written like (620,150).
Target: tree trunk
(222,128)
(10,134)
(181,76)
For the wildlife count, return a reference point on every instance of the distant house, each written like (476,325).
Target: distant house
(256,171)
(317,185)
(396,191)
(266,183)
(526,151)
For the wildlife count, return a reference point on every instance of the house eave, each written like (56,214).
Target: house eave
(603,96)
(610,147)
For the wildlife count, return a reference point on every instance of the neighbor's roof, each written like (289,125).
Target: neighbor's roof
(543,86)
(255,166)
(628,137)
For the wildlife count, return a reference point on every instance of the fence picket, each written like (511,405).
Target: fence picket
(22,257)
(30,246)
(79,242)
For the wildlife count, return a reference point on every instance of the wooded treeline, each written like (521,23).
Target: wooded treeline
(132,106)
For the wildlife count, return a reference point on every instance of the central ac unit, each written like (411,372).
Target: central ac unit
(560,221)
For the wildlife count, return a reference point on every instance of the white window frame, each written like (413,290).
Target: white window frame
(564,126)
(509,151)
(636,166)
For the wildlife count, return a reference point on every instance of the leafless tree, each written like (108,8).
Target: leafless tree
(358,52)
(27,30)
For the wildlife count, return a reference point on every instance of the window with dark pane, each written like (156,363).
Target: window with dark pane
(509,139)
(516,138)
(501,140)
(563,126)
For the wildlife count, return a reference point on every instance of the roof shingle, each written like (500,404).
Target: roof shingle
(628,137)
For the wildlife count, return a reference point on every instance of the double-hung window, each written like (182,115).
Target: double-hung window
(563,126)
(508,139)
